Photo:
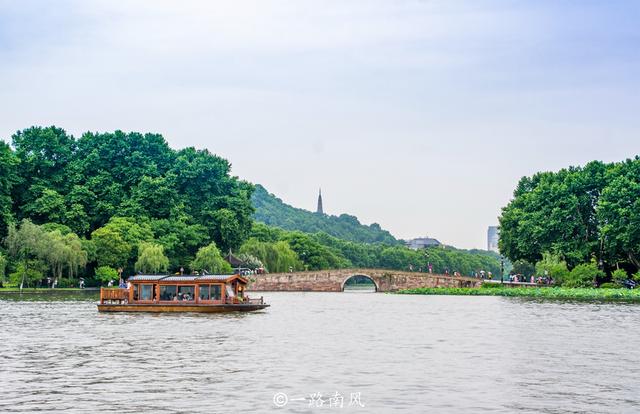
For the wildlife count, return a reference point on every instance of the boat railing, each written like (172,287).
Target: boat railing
(113,294)
(254,301)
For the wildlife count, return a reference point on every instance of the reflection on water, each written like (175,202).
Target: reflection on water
(402,353)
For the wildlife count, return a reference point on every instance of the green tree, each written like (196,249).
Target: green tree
(554,212)
(522,267)
(63,252)
(151,258)
(314,255)
(210,260)
(188,196)
(25,245)
(275,256)
(180,238)
(3,267)
(106,273)
(250,261)
(28,273)
(44,155)
(8,178)
(577,213)
(110,248)
(117,242)
(619,213)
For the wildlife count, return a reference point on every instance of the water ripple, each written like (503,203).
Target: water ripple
(402,353)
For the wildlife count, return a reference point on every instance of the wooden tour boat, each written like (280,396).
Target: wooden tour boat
(178,293)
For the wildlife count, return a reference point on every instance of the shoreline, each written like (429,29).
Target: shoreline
(49,290)
(587,294)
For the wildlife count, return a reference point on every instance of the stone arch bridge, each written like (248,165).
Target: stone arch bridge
(385,280)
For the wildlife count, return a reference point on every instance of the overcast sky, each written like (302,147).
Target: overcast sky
(419,115)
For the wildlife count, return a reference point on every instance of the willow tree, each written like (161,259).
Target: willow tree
(25,244)
(151,258)
(277,257)
(3,266)
(209,259)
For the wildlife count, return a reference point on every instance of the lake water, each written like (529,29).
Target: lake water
(413,354)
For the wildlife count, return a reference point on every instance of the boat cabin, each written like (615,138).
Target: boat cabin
(180,290)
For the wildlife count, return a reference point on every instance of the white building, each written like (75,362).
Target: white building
(493,235)
(422,243)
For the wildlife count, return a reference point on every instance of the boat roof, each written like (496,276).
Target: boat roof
(185,278)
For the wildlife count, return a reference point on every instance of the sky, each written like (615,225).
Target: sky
(418,115)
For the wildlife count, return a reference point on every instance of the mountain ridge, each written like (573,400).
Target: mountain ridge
(271,210)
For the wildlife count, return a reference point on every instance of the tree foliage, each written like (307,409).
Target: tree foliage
(209,259)
(151,258)
(322,251)
(99,198)
(577,214)
(276,256)
(83,183)
(106,273)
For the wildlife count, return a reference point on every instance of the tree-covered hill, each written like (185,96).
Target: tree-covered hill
(271,210)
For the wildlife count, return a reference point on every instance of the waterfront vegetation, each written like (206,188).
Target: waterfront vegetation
(585,218)
(604,294)
(86,207)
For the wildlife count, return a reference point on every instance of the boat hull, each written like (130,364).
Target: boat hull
(200,308)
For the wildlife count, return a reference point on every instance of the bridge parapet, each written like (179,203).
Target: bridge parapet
(333,280)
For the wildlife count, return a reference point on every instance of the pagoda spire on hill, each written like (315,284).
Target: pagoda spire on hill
(319,210)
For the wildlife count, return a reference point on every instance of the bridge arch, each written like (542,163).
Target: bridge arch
(373,280)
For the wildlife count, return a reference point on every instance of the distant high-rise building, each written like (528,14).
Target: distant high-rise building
(319,210)
(493,235)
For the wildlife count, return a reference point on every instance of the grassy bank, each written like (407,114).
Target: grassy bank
(44,290)
(542,293)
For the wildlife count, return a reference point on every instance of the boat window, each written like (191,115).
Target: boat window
(216,292)
(168,292)
(135,292)
(204,292)
(146,292)
(186,292)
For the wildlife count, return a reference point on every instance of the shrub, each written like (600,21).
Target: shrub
(552,265)
(492,285)
(583,275)
(609,285)
(31,274)
(619,276)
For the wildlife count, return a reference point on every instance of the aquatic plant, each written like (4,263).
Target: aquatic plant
(542,293)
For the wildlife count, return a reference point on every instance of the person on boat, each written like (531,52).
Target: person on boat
(122,285)
(110,283)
